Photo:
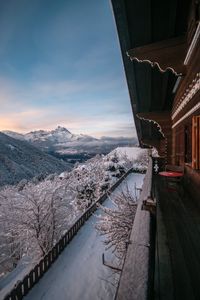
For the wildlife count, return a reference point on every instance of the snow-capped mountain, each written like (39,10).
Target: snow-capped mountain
(63,144)
(59,135)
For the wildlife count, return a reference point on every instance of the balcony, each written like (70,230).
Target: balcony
(163,258)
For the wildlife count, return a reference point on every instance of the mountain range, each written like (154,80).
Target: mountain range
(19,159)
(61,143)
(58,135)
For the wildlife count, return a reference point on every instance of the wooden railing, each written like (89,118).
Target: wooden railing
(23,286)
(136,277)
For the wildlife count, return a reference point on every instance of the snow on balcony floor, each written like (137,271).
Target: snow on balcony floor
(78,273)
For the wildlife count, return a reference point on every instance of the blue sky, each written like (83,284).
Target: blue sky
(60,64)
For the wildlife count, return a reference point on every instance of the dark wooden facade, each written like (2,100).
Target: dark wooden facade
(160,44)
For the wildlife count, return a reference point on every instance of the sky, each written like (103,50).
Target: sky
(60,64)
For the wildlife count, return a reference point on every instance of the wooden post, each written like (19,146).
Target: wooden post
(196,142)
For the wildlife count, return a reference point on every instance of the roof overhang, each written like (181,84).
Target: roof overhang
(153,45)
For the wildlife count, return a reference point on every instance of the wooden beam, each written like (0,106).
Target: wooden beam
(167,55)
(159,117)
(163,120)
(196,142)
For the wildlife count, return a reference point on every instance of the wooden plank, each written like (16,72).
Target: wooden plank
(181,219)
(164,288)
(198,158)
(193,143)
(196,142)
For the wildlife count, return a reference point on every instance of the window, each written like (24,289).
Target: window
(196,142)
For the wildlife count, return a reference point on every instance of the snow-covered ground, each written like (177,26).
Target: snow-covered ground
(78,273)
(7,283)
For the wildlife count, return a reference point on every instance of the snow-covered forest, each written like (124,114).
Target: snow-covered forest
(35,214)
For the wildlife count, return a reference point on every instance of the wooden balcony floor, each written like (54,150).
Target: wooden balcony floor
(177,272)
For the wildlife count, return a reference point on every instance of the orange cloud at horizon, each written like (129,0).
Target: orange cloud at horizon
(48,119)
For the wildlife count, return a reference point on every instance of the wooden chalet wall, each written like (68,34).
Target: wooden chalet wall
(187,99)
(181,56)
(161,53)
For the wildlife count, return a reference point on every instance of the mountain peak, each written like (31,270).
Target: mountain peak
(61,128)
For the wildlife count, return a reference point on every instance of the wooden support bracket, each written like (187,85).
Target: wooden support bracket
(162,119)
(149,205)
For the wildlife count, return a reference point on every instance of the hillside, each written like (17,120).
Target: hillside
(19,160)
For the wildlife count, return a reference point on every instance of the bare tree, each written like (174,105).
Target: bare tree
(32,220)
(141,162)
(47,213)
(11,238)
(116,223)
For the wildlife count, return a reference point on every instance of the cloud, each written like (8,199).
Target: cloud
(65,68)
(46,104)
(48,119)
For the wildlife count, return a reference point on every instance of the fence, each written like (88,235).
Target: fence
(23,287)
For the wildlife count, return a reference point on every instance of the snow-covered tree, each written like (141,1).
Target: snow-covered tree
(114,166)
(116,223)
(126,162)
(35,214)
(141,162)
(11,238)
(86,182)
(48,212)
(33,219)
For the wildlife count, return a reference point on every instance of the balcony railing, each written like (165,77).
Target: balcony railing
(136,278)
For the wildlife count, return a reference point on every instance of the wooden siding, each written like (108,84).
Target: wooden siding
(191,182)
(196,142)
(187,98)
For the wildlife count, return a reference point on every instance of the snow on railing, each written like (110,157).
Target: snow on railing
(135,278)
(22,287)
